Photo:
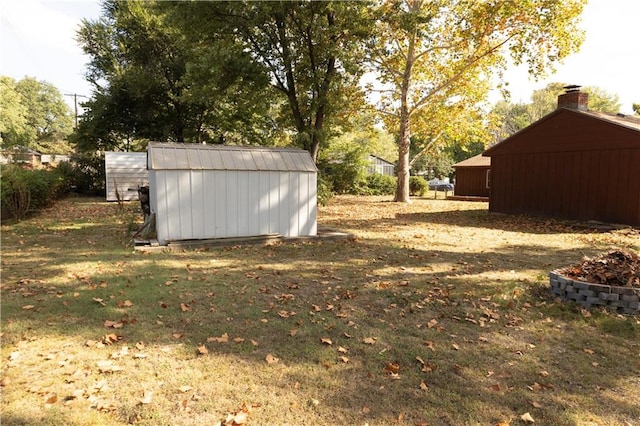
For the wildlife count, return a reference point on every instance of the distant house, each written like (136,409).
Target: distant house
(571,164)
(473,177)
(380,166)
(21,155)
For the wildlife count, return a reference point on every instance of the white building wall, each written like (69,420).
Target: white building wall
(125,173)
(204,204)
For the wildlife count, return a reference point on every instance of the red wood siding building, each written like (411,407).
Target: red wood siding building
(571,164)
(473,177)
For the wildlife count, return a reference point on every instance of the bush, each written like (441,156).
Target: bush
(86,175)
(418,186)
(23,191)
(324,190)
(377,184)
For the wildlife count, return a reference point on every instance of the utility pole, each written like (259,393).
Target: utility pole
(75,104)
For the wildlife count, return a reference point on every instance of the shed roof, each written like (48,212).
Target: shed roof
(476,161)
(178,156)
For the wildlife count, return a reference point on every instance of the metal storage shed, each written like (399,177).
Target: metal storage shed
(219,191)
(125,173)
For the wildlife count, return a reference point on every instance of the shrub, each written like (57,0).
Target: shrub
(418,186)
(87,174)
(324,190)
(23,190)
(377,184)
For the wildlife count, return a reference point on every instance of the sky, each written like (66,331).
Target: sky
(37,39)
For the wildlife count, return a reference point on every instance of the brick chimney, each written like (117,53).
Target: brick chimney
(573,98)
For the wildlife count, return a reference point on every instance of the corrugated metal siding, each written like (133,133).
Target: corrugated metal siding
(169,156)
(213,200)
(125,171)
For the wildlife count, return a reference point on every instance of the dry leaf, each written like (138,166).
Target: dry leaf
(326,341)
(28,307)
(342,350)
(535,404)
(177,335)
(202,350)
(456,347)
(185,388)
(100,301)
(344,359)
(432,323)
(52,398)
(588,351)
(184,307)
(147,397)
(423,385)
(238,340)
(271,359)
(392,368)
(222,339)
(526,417)
(124,304)
(369,340)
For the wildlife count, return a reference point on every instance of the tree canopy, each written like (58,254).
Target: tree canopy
(33,114)
(437,55)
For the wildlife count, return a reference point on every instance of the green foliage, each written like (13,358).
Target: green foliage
(33,114)
(24,191)
(345,171)
(86,174)
(378,184)
(418,186)
(324,191)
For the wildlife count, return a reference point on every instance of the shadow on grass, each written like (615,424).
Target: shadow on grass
(347,292)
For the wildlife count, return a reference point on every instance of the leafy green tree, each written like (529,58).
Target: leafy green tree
(435,54)
(33,114)
(636,109)
(310,51)
(156,78)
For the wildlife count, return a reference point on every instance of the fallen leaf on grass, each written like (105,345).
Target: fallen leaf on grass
(222,339)
(588,351)
(344,359)
(392,368)
(526,417)
(342,350)
(432,323)
(423,386)
(108,367)
(113,324)
(326,341)
(271,359)
(369,340)
(535,404)
(100,301)
(184,307)
(28,307)
(52,398)
(185,388)
(202,350)
(124,304)
(147,397)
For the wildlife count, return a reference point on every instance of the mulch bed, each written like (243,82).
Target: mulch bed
(617,268)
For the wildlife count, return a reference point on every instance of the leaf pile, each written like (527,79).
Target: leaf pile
(617,268)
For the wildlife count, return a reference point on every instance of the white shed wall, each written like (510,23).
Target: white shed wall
(202,204)
(125,171)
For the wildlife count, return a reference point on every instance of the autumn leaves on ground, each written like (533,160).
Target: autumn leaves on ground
(436,314)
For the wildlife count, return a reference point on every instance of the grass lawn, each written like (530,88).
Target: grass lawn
(436,314)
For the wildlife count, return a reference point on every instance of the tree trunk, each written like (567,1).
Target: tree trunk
(402,188)
(404,138)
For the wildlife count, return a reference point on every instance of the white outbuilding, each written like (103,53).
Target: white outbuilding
(125,173)
(220,191)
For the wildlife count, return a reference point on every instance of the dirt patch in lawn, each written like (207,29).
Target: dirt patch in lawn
(436,313)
